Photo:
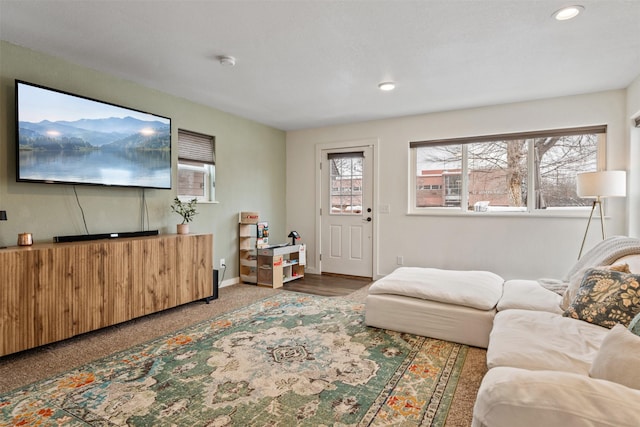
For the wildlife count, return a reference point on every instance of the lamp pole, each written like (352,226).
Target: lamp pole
(593,207)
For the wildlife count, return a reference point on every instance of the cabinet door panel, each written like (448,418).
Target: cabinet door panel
(17,301)
(117,297)
(87,278)
(53,296)
(193,268)
(156,275)
(35,302)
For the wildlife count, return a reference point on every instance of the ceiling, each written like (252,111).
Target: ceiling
(306,64)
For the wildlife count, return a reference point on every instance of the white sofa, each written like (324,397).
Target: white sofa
(539,361)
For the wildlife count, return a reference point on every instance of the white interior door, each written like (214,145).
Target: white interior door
(347,212)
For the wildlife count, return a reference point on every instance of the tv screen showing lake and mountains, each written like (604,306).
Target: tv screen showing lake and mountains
(63,138)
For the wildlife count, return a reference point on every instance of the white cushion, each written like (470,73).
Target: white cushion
(529,295)
(511,397)
(475,289)
(618,359)
(541,340)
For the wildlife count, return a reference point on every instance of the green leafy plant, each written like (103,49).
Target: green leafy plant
(187,210)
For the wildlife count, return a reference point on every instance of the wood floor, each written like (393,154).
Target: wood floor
(329,285)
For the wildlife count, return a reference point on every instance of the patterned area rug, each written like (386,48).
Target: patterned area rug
(291,359)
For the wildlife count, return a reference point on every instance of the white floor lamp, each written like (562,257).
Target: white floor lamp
(600,185)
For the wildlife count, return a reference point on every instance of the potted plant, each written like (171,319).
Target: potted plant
(187,210)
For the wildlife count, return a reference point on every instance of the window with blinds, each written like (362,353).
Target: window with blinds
(518,172)
(196,166)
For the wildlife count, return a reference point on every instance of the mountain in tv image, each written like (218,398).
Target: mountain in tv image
(111,133)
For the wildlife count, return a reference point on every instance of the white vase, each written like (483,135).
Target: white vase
(183,228)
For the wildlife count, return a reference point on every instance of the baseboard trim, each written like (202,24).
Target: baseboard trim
(229,282)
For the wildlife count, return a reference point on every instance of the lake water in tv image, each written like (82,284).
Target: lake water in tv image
(127,167)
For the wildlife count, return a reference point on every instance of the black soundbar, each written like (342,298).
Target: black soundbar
(85,237)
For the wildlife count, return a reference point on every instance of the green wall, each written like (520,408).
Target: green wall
(250,169)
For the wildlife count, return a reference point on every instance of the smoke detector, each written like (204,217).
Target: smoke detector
(227,61)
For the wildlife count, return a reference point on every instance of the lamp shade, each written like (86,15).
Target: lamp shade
(602,184)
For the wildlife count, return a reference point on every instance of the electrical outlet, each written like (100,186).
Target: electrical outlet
(222,263)
(399,260)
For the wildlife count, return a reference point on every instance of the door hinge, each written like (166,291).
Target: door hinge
(320,165)
(320,211)
(320,257)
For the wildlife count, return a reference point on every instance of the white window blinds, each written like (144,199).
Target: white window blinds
(196,147)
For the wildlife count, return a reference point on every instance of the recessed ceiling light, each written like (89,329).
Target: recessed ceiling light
(568,12)
(386,86)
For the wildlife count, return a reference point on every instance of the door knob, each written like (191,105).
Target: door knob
(368,219)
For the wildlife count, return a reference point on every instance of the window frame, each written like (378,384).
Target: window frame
(208,167)
(530,209)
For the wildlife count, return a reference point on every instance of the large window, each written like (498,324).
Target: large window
(196,166)
(513,172)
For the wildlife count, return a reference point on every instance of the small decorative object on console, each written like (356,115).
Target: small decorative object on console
(25,239)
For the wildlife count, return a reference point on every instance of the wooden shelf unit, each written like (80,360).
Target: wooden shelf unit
(252,235)
(279,265)
(54,291)
(248,252)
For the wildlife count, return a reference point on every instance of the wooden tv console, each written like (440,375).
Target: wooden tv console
(53,291)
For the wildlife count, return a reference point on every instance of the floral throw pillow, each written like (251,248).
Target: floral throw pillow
(606,297)
(576,280)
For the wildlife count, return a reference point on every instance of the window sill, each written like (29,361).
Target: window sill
(550,213)
(200,202)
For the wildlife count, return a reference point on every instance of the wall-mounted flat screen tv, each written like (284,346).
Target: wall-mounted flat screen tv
(70,139)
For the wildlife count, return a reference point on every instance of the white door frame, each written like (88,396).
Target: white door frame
(349,144)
